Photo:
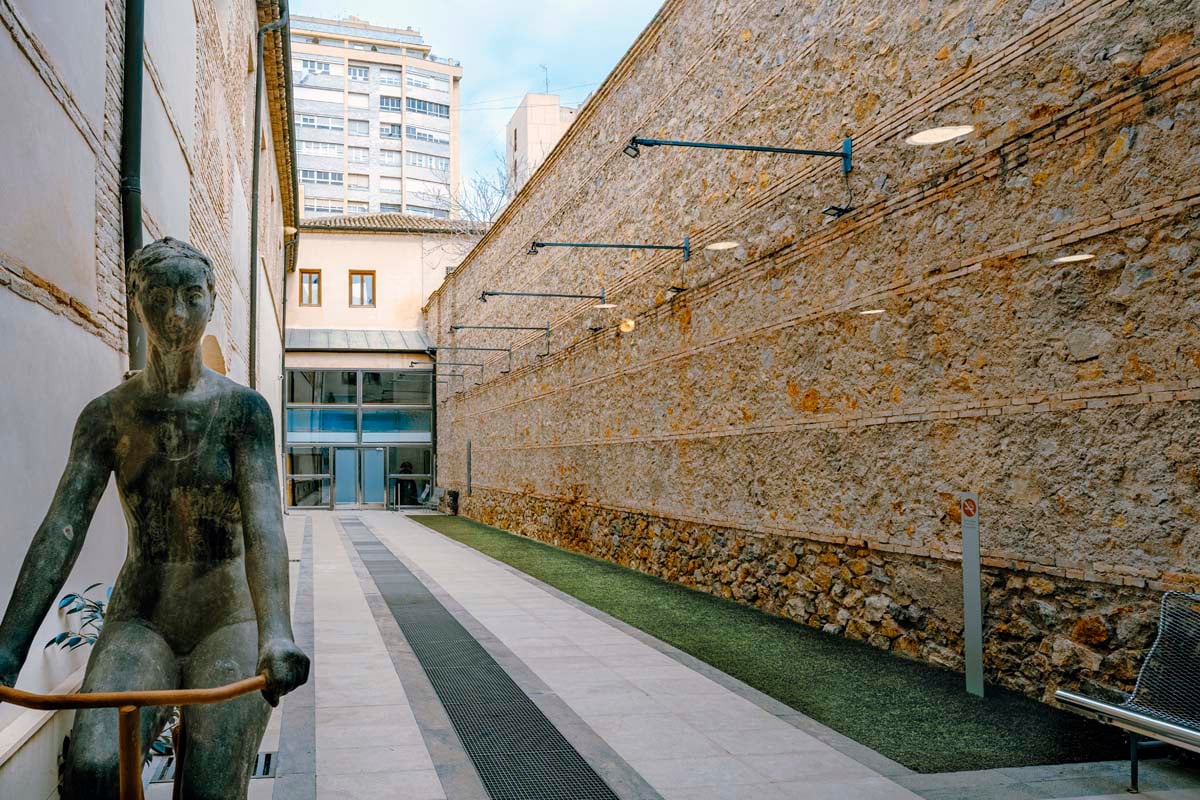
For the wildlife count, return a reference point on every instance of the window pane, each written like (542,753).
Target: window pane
(339,387)
(369,290)
(320,425)
(308,461)
(412,492)
(410,461)
(356,290)
(302,387)
(309,492)
(400,388)
(396,426)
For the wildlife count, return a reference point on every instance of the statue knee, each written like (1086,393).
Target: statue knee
(91,776)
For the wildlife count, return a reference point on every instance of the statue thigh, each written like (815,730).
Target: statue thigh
(127,657)
(221,740)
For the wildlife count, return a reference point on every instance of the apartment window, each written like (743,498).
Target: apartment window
(391,208)
(315,67)
(390,185)
(359,155)
(389,77)
(358,100)
(320,176)
(362,288)
(322,207)
(357,208)
(332,149)
(319,122)
(310,287)
(426,135)
(357,181)
(426,107)
(359,73)
(428,161)
(389,158)
(389,103)
(389,130)
(427,80)
(360,127)
(424,211)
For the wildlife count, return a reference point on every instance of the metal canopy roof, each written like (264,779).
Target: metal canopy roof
(342,340)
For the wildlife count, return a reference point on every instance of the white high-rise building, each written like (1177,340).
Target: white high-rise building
(376,119)
(533,130)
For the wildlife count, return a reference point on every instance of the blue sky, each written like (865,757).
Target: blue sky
(579,42)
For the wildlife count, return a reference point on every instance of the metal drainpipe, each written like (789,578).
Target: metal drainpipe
(433,424)
(259,85)
(131,169)
(283,377)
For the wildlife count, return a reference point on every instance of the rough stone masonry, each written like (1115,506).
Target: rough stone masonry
(756,436)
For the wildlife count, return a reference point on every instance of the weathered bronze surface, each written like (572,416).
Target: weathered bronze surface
(202,598)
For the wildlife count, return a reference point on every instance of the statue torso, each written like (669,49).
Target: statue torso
(174,462)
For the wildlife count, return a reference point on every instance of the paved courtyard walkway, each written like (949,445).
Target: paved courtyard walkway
(649,721)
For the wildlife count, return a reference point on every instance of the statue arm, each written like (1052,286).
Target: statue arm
(284,663)
(59,538)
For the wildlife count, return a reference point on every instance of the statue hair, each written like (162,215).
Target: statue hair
(166,249)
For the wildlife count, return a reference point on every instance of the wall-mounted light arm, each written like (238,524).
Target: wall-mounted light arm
(499,327)
(432,350)
(686,247)
(845,154)
(484,295)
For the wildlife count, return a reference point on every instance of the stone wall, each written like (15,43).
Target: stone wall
(755,416)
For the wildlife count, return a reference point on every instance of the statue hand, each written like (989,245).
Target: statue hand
(285,665)
(10,668)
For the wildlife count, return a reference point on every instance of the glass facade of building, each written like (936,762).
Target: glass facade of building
(359,438)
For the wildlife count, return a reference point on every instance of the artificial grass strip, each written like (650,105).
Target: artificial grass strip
(912,712)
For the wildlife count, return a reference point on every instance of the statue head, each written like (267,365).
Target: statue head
(172,284)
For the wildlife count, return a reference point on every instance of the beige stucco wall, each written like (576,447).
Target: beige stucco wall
(408,268)
(62,314)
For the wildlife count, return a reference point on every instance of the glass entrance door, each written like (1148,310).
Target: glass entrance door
(345,476)
(373,477)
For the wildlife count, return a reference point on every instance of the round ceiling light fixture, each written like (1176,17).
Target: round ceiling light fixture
(944,133)
(1072,258)
(872,311)
(728,244)
(627,325)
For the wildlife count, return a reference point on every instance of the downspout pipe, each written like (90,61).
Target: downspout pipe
(283,376)
(131,169)
(259,87)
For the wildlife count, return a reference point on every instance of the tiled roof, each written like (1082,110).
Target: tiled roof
(341,340)
(391,221)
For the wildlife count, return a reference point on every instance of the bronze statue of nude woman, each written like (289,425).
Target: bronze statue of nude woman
(202,598)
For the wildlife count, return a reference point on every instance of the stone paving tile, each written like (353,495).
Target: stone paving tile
(411,785)
(686,734)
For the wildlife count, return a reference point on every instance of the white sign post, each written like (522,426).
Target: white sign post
(972,600)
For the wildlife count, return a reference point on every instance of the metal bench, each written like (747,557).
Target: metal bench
(1165,704)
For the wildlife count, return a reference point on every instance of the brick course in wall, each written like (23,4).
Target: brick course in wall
(758,412)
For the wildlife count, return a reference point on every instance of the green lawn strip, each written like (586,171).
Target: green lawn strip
(910,711)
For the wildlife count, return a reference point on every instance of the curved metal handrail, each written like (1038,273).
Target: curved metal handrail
(158,697)
(128,705)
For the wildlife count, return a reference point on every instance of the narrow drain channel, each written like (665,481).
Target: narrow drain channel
(517,751)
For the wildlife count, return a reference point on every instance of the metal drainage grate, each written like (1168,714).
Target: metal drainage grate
(517,751)
(161,769)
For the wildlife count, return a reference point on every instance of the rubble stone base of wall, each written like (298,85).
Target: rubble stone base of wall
(1040,633)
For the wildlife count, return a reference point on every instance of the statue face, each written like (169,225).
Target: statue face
(175,303)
